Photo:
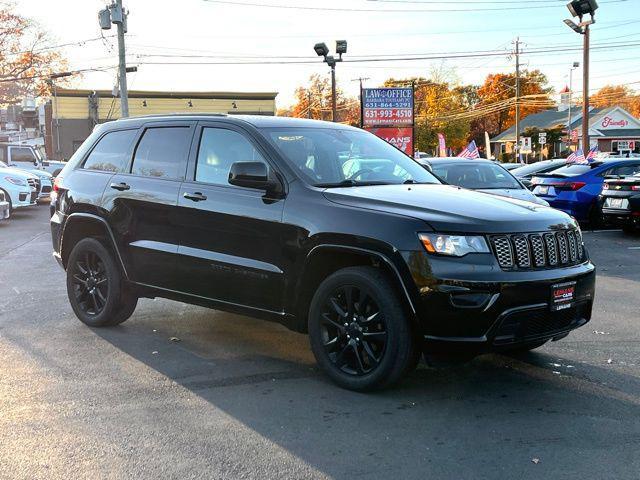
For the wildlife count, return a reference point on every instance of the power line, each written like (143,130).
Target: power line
(387,10)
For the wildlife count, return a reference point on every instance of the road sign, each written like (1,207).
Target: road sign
(387,107)
(525,145)
(542,138)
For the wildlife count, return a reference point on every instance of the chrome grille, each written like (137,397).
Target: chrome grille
(522,251)
(537,247)
(538,250)
(504,254)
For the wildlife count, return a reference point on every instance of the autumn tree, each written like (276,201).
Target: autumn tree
(314,101)
(26,58)
(612,95)
(497,98)
(435,101)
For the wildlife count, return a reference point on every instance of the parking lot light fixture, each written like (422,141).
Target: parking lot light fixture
(322,50)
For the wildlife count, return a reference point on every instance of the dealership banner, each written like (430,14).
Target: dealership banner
(383,107)
(442,146)
(399,137)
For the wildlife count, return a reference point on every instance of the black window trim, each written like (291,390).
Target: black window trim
(195,149)
(81,164)
(10,149)
(161,124)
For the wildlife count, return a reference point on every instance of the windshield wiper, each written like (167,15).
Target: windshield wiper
(350,183)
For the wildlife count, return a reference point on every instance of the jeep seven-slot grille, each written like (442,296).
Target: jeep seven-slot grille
(538,250)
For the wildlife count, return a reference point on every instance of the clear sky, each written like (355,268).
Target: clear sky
(202,31)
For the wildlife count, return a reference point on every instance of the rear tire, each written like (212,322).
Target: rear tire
(358,330)
(95,286)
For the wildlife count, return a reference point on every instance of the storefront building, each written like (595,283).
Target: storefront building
(71,115)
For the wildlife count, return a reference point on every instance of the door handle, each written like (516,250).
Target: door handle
(196,197)
(120,186)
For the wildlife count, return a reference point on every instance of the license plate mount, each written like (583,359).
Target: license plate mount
(616,202)
(543,190)
(562,295)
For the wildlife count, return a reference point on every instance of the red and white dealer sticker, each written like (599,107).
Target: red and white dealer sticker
(562,295)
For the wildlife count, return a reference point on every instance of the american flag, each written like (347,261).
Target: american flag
(471,151)
(576,157)
(592,154)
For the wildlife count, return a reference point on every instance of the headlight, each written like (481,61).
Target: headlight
(454,245)
(16,181)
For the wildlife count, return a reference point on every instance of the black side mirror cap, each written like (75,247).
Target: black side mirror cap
(252,175)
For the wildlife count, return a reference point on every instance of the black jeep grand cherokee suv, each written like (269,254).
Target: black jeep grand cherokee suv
(322,227)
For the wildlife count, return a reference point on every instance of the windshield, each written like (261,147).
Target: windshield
(571,170)
(476,175)
(327,157)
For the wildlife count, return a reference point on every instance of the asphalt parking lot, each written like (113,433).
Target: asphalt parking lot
(241,398)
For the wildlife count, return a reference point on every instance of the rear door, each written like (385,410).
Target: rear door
(142,202)
(230,237)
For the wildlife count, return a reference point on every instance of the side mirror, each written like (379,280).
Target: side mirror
(251,175)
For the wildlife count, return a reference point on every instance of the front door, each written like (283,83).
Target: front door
(142,203)
(230,237)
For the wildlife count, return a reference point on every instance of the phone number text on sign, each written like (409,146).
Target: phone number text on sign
(387,116)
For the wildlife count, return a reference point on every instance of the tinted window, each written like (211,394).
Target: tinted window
(622,170)
(162,152)
(22,155)
(332,156)
(219,148)
(111,154)
(536,167)
(476,175)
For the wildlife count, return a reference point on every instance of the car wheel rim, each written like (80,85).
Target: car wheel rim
(90,283)
(353,330)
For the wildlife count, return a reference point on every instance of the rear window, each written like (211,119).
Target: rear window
(21,154)
(571,170)
(476,175)
(112,152)
(162,152)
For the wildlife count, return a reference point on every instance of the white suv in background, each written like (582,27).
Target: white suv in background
(20,188)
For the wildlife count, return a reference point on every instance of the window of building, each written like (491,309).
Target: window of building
(219,149)
(111,153)
(162,152)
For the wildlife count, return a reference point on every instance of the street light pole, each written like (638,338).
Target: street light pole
(322,51)
(517,99)
(585,91)
(575,65)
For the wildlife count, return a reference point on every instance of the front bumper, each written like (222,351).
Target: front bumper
(4,210)
(470,304)
(25,198)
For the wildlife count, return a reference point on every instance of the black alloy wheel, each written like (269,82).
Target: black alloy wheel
(354,330)
(359,331)
(90,283)
(97,291)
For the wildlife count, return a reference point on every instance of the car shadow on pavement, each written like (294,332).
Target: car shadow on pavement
(490,415)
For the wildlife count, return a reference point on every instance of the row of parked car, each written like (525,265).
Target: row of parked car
(605,191)
(26,178)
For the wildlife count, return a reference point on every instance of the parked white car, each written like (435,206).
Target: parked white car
(4,207)
(27,157)
(20,188)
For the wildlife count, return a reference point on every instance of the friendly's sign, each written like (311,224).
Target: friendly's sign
(382,107)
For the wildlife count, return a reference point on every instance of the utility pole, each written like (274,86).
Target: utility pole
(517,150)
(309,103)
(115,13)
(361,79)
(122,63)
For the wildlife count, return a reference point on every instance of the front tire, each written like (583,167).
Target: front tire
(95,286)
(358,330)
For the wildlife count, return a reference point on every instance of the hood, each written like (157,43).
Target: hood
(453,209)
(16,172)
(517,193)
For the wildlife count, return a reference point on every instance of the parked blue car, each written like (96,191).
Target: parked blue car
(574,188)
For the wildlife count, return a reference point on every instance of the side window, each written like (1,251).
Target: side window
(624,170)
(111,154)
(22,155)
(219,148)
(162,152)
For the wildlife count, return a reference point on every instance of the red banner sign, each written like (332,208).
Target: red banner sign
(401,137)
